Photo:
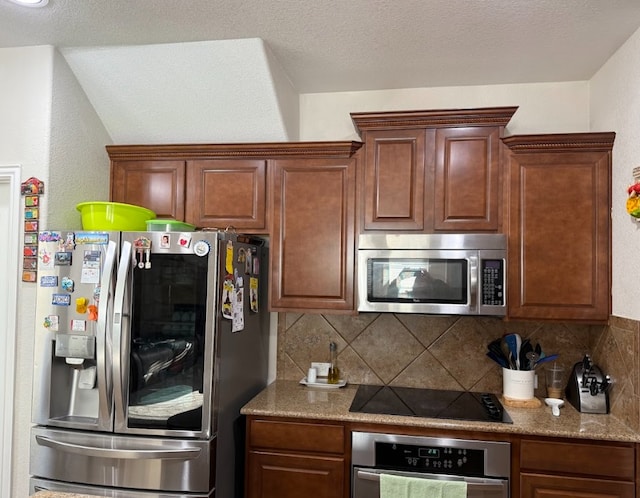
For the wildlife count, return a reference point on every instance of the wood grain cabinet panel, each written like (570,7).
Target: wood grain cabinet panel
(155,184)
(394,183)
(467,179)
(277,475)
(295,458)
(225,193)
(560,226)
(433,171)
(312,236)
(545,486)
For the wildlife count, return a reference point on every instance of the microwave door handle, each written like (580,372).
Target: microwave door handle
(103,341)
(473,282)
(118,318)
(484,485)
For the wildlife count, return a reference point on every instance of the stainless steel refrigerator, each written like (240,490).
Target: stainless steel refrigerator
(146,347)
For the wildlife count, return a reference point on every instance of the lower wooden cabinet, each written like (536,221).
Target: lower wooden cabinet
(287,459)
(546,486)
(566,469)
(283,475)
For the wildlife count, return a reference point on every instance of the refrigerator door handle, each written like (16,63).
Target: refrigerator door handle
(119,357)
(103,342)
(188,453)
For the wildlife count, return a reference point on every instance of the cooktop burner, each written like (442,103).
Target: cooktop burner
(431,403)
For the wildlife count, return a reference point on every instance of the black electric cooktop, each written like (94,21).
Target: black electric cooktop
(431,403)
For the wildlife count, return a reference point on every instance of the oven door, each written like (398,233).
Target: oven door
(366,483)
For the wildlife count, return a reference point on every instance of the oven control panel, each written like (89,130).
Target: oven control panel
(433,459)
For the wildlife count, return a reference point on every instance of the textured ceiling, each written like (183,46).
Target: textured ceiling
(341,45)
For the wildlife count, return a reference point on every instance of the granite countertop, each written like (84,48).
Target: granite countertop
(285,398)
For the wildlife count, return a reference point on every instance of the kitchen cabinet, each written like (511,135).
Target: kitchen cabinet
(559,228)
(295,458)
(576,469)
(210,186)
(432,171)
(158,185)
(313,231)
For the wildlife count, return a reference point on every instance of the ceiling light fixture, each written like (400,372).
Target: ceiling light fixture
(31,3)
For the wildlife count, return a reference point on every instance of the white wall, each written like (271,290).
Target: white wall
(25,100)
(51,130)
(543,107)
(615,106)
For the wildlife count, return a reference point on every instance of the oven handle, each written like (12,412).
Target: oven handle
(472,483)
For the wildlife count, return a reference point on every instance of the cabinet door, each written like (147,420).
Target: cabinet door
(312,236)
(467,179)
(157,185)
(546,486)
(559,235)
(277,475)
(227,192)
(394,179)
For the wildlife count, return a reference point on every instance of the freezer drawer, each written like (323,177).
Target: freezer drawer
(144,463)
(36,485)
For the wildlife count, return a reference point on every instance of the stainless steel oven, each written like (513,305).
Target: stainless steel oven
(484,465)
(456,274)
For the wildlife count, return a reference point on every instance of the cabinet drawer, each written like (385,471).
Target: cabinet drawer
(296,436)
(596,460)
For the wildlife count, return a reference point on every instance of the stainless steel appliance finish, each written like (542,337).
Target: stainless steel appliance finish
(484,465)
(146,394)
(457,274)
(588,387)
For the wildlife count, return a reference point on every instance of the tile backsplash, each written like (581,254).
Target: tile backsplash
(449,352)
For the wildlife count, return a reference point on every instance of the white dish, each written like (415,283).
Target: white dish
(323,383)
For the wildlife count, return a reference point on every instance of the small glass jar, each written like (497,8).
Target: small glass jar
(334,372)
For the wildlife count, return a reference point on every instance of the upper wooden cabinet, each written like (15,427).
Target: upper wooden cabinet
(227,193)
(433,171)
(155,184)
(210,186)
(560,226)
(313,231)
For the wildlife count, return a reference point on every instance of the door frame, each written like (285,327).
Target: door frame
(9,275)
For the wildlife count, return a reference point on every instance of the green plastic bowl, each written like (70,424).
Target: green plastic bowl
(166,225)
(114,216)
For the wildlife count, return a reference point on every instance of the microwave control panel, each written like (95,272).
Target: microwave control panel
(493,282)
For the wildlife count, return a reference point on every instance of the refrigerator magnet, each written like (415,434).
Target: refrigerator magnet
(165,241)
(184,240)
(228,261)
(253,294)
(81,305)
(62,259)
(49,281)
(78,325)
(238,312)
(51,322)
(201,248)
(93,312)
(45,261)
(61,300)
(228,297)
(67,284)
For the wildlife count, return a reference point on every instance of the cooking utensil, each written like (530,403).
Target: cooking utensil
(512,343)
(499,359)
(506,352)
(533,358)
(525,349)
(518,347)
(546,359)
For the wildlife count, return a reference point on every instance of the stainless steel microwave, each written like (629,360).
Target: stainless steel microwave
(453,274)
